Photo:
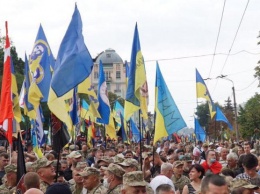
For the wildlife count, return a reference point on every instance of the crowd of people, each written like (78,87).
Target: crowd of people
(168,168)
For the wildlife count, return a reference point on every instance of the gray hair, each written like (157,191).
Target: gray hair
(232,155)
(165,167)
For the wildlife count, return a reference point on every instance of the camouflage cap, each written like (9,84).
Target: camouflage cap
(41,163)
(116,170)
(187,158)
(74,154)
(146,154)
(10,168)
(177,163)
(89,171)
(119,158)
(81,165)
(73,147)
(129,162)
(106,159)
(134,179)
(237,183)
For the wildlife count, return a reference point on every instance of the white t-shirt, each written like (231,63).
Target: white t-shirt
(159,180)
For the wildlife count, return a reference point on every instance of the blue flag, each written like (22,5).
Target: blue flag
(74,109)
(73,66)
(135,132)
(199,131)
(221,117)
(124,136)
(168,117)
(104,106)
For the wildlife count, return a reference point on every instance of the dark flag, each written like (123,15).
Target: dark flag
(60,135)
(21,170)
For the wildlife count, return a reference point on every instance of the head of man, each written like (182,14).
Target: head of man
(11,177)
(34,191)
(4,160)
(224,153)
(133,182)
(75,157)
(232,160)
(90,178)
(167,170)
(212,184)
(114,176)
(45,169)
(240,150)
(164,189)
(205,147)
(247,148)
(211,156)
(243,186)
(120,148)
(129,154)
(63,165)
(99,154)
(76,176)
(178,168)
(129,165)
(31,180)
(249,164)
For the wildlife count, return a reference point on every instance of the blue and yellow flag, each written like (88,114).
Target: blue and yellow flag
(199,131)
(203,92)
(28,107)
(137,88)
(221,117)
(118,109)
(104,106)
(15,96)
(136,135)
(168,119)
(40,63)
(73,66)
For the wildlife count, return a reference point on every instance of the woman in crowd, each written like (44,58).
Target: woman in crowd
(196,174)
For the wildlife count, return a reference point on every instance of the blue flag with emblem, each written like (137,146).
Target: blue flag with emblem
(135,132)
(104,106)
(73,66)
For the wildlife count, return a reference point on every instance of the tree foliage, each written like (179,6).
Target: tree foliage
(249,117)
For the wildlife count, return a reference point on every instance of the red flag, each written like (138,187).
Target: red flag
(6,105)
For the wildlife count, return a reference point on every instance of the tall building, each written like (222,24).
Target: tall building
(114,69)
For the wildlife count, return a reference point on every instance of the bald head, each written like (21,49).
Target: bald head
(33,191)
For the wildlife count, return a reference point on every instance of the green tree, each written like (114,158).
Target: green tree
(249,117)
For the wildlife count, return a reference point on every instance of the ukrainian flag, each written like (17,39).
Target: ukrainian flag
(73,66)
(118,109)
(28,107)
(15,96)
(202,92)
(168,119)
(40,63)
(137,87)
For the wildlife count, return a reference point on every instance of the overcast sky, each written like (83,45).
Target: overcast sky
(168,29)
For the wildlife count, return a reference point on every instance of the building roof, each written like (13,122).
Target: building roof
(109,56)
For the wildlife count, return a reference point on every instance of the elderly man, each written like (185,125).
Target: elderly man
(46,172)
(232,160)
(114,178)
(91,181)
(11,177)
(133,182)
(178,179)
(164,177)
(211,165)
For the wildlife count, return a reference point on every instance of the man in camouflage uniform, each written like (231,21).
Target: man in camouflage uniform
(133,182)
(114,178)
(178,179)
(91,181)
(46,172)
(76,184)
(9,187)
(129,165)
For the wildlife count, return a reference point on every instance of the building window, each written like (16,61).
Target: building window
(108,55)
(108,87)
(118,75)
(118,67)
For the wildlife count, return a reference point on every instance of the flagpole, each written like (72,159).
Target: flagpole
(58,159)
(105,136)
(140,129)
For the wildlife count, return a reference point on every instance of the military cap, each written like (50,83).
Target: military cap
(73,147)
(74,154)
(10,168)
(134,179)
(177,163)
(129,162)
(119,158)
(89,171)
(146,154)
(106,159)
(116,170)
(81,165)
(41,163)
(237,183)
(186,158)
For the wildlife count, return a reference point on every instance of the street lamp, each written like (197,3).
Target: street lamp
(235,104)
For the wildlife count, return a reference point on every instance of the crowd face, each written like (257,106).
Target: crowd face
(90,182)
(194,174)
(47,173)
(3,162)
(214,189)
(178,170)
(129,155)
(251,172)
(240,151)
(247,148)
(134,190)
(77,178)
(99,154)
(232,163)
(224,153)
